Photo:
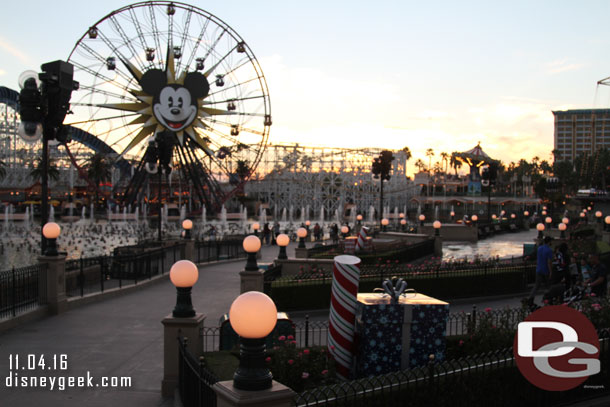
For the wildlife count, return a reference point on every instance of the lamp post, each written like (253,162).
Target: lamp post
(452,215)
(403,222)
(302,234)
(607,221)
(359,219)
(187,225)
(474,219)
(548,220)
(344,231)
(44,101)
(598,216)
(384,223)
(251,245)
(184,274)
(51,232)
(253,316)
(526,213)
(282,241)
(540,229)
(437,227)
(422,218)
(308,223)
(562,227)
(256,227)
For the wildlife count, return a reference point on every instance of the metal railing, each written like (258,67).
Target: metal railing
(487,379)
(195,381)
(214,250)
(314,333)
(22,289)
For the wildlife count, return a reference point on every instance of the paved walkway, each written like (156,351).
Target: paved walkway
(124,337)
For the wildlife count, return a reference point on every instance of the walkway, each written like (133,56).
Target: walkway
(123,337)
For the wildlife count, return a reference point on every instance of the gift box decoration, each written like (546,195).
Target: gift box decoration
(392,337)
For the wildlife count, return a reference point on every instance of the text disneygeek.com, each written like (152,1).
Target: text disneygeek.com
(22,370)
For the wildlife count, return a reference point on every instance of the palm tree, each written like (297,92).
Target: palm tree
(36,170)
(420,165)
(429,154)
(455,162)
(99,170)
(445,159)
(408,156)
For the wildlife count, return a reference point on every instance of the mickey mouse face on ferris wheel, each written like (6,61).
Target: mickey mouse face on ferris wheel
(175,105)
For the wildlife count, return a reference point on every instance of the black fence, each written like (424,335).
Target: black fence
(215,250)
(22,289)
(126,267)
(490,379)
(195,381)
(311,290)
(309,332)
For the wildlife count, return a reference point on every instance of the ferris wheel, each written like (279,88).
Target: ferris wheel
(169,80)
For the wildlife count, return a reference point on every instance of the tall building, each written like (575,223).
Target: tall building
(581,131)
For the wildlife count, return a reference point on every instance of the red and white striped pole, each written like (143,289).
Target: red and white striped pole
(361,238)
(346,276)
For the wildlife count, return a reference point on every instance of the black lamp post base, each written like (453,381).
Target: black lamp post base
(301,243)
(51,249)
(251,264)
(282,255)
(184,306)
(252,373)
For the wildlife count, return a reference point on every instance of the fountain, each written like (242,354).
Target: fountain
(51,214)
(291,214)
(203,216)
(124,214)
(337,218)
(92,212)
(182,213)
(321,216)
(109,214)
(284,215)
(83,214)
(262,217)
(223,218)
(302,215)
(137,215)
(396,217)
(307,212)
(436,212)
(26,220)
(6,217)
(244,219)
(371,214)
(352,215)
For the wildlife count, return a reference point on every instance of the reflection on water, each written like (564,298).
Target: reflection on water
(503,245)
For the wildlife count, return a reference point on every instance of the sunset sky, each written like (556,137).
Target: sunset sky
(441,75)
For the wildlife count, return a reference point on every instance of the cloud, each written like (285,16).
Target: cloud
(560,66)
(6,46)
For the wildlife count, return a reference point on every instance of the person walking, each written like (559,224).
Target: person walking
(544,267)
(599,276)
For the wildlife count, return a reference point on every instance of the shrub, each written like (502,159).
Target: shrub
(300,369)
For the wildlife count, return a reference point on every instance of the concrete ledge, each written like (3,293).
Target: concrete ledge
(33,315)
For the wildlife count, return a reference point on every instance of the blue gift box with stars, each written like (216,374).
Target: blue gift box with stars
(392,337)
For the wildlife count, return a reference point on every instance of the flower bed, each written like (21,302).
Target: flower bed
(300,368)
